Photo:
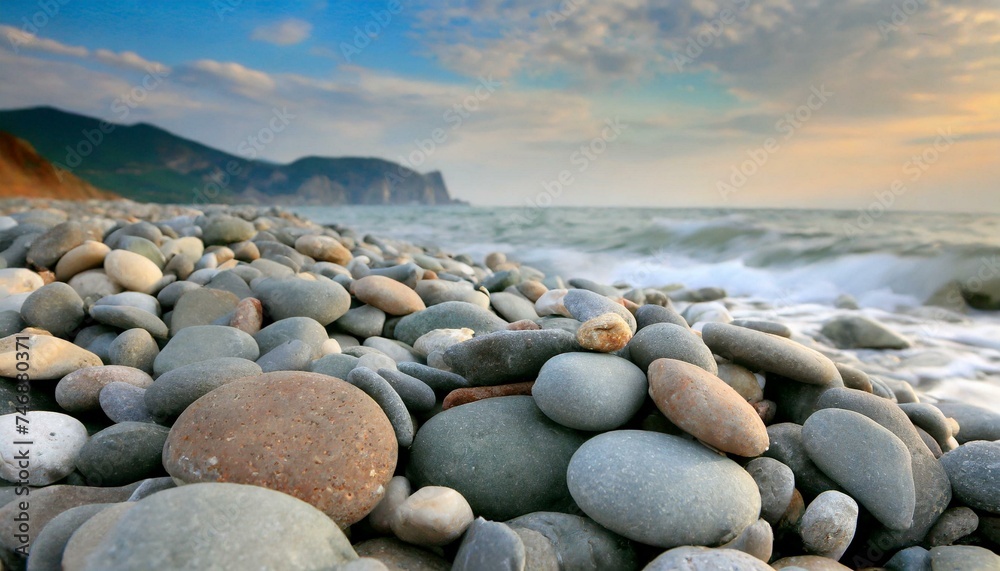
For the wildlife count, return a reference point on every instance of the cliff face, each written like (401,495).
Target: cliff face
(146,163)
(24,173)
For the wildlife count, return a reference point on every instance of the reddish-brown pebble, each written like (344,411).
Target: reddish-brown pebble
(793,514)
(766,409)
(308,435)
(472,394)
(606,333)
(523,325)
(705,407)
(248,316)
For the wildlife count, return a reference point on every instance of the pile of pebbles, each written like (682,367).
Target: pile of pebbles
(240,388)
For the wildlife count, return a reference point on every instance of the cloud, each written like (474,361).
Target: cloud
(766,52)
(227,76)
(287,32)
(128,60)
(18,39)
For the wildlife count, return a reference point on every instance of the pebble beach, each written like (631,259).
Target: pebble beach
(238,387)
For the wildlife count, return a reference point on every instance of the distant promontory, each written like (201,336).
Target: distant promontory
(145,163)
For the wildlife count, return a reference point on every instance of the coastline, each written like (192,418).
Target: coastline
(523,410)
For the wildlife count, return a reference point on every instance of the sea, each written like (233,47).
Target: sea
(791,266)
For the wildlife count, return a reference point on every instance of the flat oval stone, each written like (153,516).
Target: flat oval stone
(396,492)
(293,355)
(201,306)
(47,549)
(221,526)
(761,351)
(126,317)
(649,314)
(322,299)
(933,491)
(434,292)
(579,542)
(18,280)
(433,515)
(869,461)
(50,501)
(513,307)
(55,307)
(134,348)
(662,490)
(666,340)
(447,315)
(440,381)
(87,256)
(776,484)
(415,393)
(742,381)
(51,357)
(123,402)
(323,248)
(305,329)
(81,390)
(828,525)
(123,453)
(502,454)
(363,321)
(975,422)
(46,250)
(56,442)
(92,285)
(387,294)
(382,393)
(954,524)
(590,391)
(133,299)
(505,356)
(756,540)
(225,229)
(584,305)
(974,471)
(88,536)
(786,447)
(397,555)
(696,558)
(175,390)
(202,343)
(338,451)
(860,332)
(132,271)
(950,557)
(704,406)
(490,545)
(605,333)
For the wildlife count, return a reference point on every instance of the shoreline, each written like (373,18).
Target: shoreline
(480,410)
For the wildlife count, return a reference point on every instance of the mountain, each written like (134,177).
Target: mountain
(24,173)
(146,163)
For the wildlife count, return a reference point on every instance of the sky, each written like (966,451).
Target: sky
(861,105)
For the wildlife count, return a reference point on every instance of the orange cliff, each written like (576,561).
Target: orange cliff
(26,174)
